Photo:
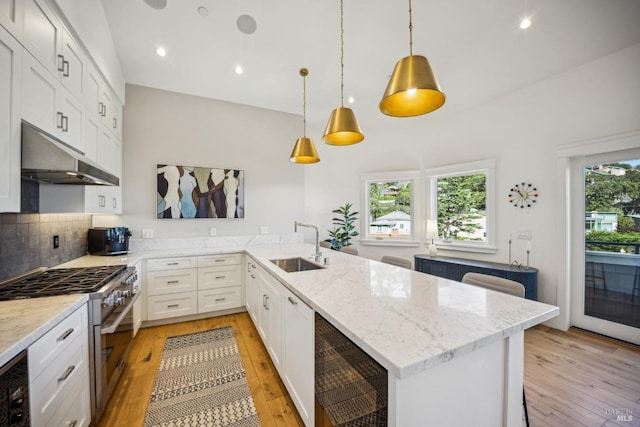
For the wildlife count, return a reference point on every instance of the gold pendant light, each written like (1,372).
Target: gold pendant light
(304,151)
(342,128)
(413,89)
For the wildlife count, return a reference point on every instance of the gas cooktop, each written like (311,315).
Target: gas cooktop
(58,281)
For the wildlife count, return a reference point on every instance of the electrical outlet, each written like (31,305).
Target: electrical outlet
(523,234)
(264,229)
(147,233)
(56,242)
(212,231)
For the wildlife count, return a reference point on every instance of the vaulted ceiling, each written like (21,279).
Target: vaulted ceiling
(476,48)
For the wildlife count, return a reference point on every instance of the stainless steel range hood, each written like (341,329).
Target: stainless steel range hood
(47,159)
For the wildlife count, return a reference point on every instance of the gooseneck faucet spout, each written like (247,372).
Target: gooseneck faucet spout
(318,254)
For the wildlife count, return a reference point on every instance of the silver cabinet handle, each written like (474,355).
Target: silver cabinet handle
(173,263)
(220,299)
(115,123)
(61,62)
(67,373)
(220,277)
(267,303)
(253,276)
(65,68)
(60,117)
(73,423)
(115,203)
(292,301)
(170,282)
(220,260)
(65,335)
(65,123)
(264,299)
(173,305)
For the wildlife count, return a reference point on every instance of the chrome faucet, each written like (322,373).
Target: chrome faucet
(318,254)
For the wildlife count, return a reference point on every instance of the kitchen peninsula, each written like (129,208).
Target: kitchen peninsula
(453,352)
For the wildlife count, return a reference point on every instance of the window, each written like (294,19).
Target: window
(461,199)
(390,202)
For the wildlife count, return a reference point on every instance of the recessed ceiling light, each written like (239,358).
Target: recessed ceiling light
(246,24)
(239,70)
(160,51)
(351,100)
(156,4)
(203,11)
(525,23)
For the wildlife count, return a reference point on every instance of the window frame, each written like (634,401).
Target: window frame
(486,167)
(416,208)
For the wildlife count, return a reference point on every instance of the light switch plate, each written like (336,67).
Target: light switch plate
(147,233)
(212,231)
(523,234)
(264,229)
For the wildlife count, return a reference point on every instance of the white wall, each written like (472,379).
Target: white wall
(169,128)
(522,131)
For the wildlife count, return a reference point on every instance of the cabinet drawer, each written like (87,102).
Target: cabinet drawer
(217,260)
(67,373)
(75,410)
(56,341)
(219,277)
(219,299)
(169,282)
(158,264)
(164,306)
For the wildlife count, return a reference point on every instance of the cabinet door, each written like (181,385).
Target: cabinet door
(72,120)
(172,281)
(92,132)
(39,96)
(93,86)
(298,358)
(110,152)
(106,105)
(218,277)
(10,96)
(11,16)
(173,305)
(73,66)
(42,34)
(252,289)
(116,119)
(272,320)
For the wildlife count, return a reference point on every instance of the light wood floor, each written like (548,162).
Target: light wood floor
(571,378)
(128,404)
(578,379)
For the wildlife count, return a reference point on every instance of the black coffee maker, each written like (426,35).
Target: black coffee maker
(109,240)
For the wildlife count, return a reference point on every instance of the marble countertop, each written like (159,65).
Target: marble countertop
(23,321)
(406,320)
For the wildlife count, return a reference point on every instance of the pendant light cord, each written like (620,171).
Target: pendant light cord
(303,73)
(342,53)
(410,31)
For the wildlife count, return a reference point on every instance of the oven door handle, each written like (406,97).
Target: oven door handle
(109,328)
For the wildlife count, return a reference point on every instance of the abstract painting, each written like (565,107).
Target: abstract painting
(196,192)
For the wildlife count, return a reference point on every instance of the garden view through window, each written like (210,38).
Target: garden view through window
(390,209)
(612,242)
(461,207)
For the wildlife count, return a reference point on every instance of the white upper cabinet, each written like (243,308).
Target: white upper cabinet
(72,112)
(10,87)
(72,65)
(11,16)
(40,96)
(42,35)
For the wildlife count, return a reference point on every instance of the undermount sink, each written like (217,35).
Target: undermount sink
(291,265)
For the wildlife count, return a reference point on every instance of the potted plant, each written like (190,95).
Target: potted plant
(344,228)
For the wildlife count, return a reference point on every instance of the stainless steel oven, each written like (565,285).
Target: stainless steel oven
(112,290)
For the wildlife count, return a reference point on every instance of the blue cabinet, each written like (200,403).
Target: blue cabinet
(455,268)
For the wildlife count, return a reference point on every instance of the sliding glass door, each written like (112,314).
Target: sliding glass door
(606,244)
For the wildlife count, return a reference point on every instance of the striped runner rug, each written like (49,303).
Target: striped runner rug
(201,382)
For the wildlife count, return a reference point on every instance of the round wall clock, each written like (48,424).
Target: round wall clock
(523,195)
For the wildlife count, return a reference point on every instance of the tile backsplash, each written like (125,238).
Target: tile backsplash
(26,240)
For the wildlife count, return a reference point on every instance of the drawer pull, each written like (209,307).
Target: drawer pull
(73,423)
(67,373)
(173,305)
(264,299)
(65,335)
(169,282)
(220,260)
(220,277)
(292,301)
(220,299)
(173,263)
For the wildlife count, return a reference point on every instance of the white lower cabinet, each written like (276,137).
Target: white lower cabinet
(59,374)
(286,326)
(182,286)
(298,354)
